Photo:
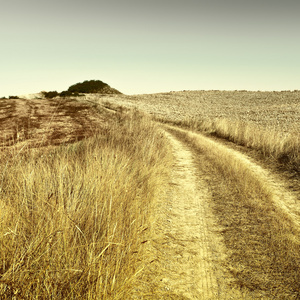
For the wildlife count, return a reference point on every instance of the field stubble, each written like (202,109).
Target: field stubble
(279,111)
(264,121)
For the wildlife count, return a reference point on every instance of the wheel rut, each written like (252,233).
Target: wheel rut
(191,251)
(249,249)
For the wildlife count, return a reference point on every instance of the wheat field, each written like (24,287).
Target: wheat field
(266,121)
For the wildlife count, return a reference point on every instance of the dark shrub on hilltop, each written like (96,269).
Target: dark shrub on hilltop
(69,94)
(86,87)
(51,94)
(92,86)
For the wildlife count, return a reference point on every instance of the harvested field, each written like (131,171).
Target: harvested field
(43,122)
(274,110)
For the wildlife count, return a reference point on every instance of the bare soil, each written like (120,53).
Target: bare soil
(43,122)
(190,252)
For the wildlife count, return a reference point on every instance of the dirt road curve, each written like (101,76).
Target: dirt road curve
(190,250)
(190,247)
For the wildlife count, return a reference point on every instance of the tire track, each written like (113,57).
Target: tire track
(191,250)
(273,206)
(282,198)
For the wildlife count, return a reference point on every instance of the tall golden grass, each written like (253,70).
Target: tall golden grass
(74,219)
(283,147)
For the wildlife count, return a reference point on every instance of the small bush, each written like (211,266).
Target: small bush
(13,97)
(68,94)
(91,86)
(51,94)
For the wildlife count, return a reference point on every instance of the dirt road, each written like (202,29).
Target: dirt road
(191,246)
(252,252)
(189,249)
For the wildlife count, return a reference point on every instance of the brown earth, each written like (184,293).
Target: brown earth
(43,122)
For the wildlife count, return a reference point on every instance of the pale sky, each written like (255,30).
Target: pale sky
(149,46)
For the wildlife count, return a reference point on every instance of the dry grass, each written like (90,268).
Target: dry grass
(265,121)
(262,239)
(74,219)
(282,147)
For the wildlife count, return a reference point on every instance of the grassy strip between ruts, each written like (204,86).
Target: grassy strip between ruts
(74,219)
(263,241)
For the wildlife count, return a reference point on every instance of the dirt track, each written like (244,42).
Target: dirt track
(189,249)
(190,246)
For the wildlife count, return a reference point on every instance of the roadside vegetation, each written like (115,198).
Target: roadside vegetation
(74,219)
(280,146)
